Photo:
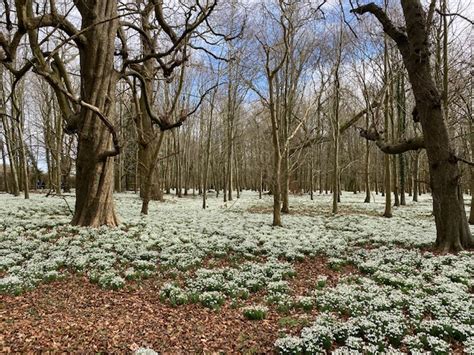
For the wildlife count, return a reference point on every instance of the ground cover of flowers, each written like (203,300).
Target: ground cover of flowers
(183,278)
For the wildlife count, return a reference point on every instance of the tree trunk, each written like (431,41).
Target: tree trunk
(149,178)
(415,183)
(471,215)
(276,187)
(452,228)
(4,165)
(8,138)
(95,171)
(336,179)
(285,208)
(401,105)
(387,187)
(58,145)
(146,156)
(367,164)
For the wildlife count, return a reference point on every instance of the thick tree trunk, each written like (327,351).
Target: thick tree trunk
(94,171)
(452,229)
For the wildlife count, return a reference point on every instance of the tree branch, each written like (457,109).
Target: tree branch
(389,28)
(414,143)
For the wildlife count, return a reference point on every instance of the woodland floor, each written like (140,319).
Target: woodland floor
(181,279)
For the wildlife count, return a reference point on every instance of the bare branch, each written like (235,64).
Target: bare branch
(414,143)
(389,28)
(455,14)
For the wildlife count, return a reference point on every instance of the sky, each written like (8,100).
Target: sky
(460,27)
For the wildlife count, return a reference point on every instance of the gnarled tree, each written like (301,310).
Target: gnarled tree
(90,113)
(453,232)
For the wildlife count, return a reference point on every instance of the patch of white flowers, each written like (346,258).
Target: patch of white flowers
(255,312)
(405,299)
(236,282)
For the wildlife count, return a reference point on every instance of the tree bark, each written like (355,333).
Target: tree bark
(4,166)
(149,178)
(94,171)
(387,175)
(402,127)
(471,135)
(367,164)
(452,229)
(416,163)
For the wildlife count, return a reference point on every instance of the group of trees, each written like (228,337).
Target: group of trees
(276,96)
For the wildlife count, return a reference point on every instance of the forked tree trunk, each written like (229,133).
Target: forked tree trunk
(94,173)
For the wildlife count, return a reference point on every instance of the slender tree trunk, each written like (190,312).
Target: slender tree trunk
(208,154)
(230,145)
(149,177)
(24,162)
(8,138)
(335,128)
(401,105)
(285,208)
(394,159)
(276,187)
(311,179)
(416,184)
(58,145)
(4,165)
(388,188)
(18,114)
(367,163)
(471,135)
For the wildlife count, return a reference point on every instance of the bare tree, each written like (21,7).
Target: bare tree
(413,43)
